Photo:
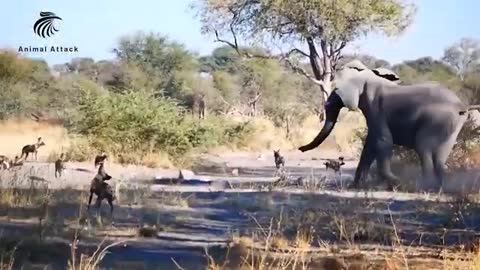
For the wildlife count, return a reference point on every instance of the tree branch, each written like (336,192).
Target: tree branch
(303,72)
(296,50)
(234,46)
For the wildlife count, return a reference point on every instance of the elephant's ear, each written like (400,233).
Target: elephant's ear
(386,74)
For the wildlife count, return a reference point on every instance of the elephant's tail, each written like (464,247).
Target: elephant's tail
(470,108)
(473,107)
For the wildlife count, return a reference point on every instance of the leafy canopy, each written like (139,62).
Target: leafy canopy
(333,21)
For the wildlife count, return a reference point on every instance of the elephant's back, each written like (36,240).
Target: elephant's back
(429,93)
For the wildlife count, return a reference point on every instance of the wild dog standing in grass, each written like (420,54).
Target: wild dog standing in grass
(100,159)
(279,164)
(101,189)
(59,165)
(279,160)
(5,162)
(336,166)
(32,148)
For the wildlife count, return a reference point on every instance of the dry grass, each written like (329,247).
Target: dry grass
(21,132)
(269,248)
(157,160)
(88,262)
(7,260)
(174,199)
(266,136)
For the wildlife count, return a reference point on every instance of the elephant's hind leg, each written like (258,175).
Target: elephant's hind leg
(440,157)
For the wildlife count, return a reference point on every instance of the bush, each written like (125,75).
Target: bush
(137,124)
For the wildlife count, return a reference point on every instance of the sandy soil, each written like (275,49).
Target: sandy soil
(191,216)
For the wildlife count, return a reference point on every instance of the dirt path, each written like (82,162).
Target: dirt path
(189,217)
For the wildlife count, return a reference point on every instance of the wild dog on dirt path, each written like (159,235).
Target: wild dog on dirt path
(59,165)
(32,148)
(99,159)
(279,160)
(101,189)
(334,164)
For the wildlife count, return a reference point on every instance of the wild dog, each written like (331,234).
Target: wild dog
(334,164)
(32,148)
(101,189)
(99,159)
(5,162)
(59,165)
(279,160)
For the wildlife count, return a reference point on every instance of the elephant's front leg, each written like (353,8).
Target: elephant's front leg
(428,172)
(384,156)
(366,160)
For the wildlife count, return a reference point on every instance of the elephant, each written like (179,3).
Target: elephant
(425,117)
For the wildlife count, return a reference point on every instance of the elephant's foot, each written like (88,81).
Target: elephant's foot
(354,185)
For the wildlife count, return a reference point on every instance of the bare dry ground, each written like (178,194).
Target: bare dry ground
(254,224)
(232,213)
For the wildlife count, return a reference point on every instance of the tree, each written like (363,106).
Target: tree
(427,69)
(168,66)
(324,27)
(223,58)
(463,56)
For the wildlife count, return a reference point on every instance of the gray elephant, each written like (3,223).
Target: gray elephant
(426,117)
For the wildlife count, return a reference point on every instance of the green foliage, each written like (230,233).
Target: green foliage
(470,91)
(223,58)
(427,69)
(333,21)
(13,68)
(138,123)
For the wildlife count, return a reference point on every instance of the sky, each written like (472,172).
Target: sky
(95,27)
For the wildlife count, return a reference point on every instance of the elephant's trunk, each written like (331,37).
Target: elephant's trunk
(332,108)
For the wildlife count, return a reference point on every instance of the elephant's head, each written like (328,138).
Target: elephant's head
(349,84)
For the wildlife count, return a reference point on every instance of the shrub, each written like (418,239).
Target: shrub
(138,123)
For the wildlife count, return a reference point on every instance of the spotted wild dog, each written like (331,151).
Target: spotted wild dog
(5,162)
(99,159)
(32,148)
(101,189)
(279,160)
(334,164)
(59,165)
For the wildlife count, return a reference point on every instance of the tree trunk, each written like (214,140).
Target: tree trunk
(322,72)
